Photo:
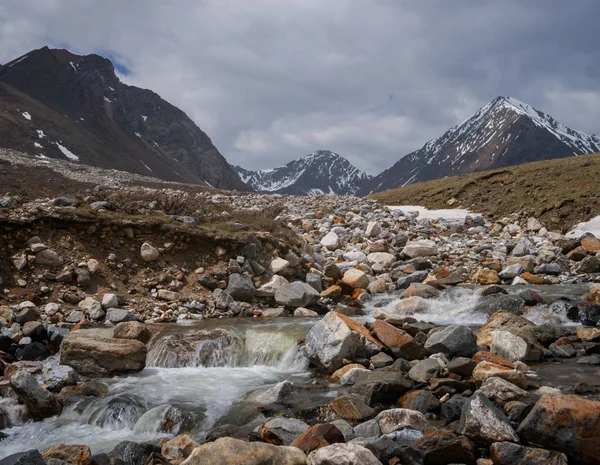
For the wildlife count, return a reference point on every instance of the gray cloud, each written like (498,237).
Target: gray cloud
(273,80)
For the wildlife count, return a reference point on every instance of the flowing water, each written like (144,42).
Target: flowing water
(197,376)
(203,371)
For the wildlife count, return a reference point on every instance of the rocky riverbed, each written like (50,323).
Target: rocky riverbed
(356,334)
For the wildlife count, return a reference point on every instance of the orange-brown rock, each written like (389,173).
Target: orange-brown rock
(332,292)
(482,356)
(70,453)
(392,337)
(485,370)
(590,243)
(317,436)
(588,334)
(493,264)
(486,276)
(570,424)
(535,279)
(577,254)
(508,453)
(337,374)
(176,450)
(360,329)
(594,294)
(505,321)
(351,407)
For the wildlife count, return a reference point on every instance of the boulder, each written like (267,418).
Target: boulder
(273,394)
(305,312)
(327,431)
(355,278)
(500,391)
(416,277)
(507,453)
(351,407)
(269,288)
(337,338)
(39,402)
(296,294)
(282,431)
(454,340)
(120,315)
(176,450)
(69,453)
(505,321)
(483,423)
(240,287)
(570,424)
(442,447)
(423,248)
(132,330)
(170,296)
(30,457)
(230,451)
(485,370)
(515,348)
(149,253)
(278,265)
(398,418)
(56,376)
(508,303)
(96,356)
(342,454)
(422,401)
(486,276)
(163,419)
(384,387)
(511,272)
(393,338)
(424,370)
(130,453)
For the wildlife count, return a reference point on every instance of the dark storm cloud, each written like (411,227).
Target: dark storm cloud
(272,80)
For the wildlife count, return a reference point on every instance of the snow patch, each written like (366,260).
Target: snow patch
(106,99)
(26,115)
(591,226)
(450,214)
(38,145)
(144,117)
(73,66)
(146,166)
(138,134)
(67,153)
(18,61)
(41,134)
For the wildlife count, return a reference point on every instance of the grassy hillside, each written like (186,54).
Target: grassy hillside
(560,192)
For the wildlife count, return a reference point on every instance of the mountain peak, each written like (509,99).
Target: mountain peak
(503,132)
(320,172)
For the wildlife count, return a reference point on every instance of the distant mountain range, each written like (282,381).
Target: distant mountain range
(504,132)
(321,172)
(56,104)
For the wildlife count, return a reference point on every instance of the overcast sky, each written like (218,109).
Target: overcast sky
(273,80)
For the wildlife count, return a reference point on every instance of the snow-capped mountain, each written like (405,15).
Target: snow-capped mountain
(504,132)
(321,172)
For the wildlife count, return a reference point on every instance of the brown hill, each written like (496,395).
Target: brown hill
(560,192)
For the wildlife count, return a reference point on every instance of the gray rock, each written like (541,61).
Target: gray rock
(331,341)
(296,294)
(119,315)
(424,370)
(399,418)
(165,294)
(548,268)
(57,376)
(342,454)
(273,394)
(75,316)
(373,229)
(330,241)
(268,289)
(110,300)
(511,272)
(30,457)
(368,429)
(501,391)
(314,280)
(92,308)
(240,287)
(149,253)
(39,402)
(455,340)
(282,431)
(48,258)
(485,424)
(416,277)
(510,303)
(423,248)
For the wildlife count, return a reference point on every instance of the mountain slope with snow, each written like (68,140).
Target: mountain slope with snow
(321,172)
(55,104)
(504,132)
